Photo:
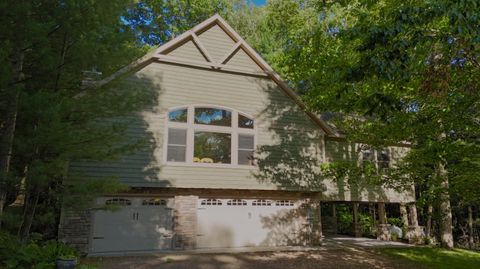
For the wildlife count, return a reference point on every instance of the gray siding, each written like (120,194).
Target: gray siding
(188,51)
(344,151)
(280,124)
(243,61)
(216,42)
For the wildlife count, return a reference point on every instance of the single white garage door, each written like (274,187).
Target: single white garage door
(137,224)
(226,223)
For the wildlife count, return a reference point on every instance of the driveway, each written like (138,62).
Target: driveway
(338,253)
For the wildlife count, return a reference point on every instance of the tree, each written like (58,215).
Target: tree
(395,72)
(58,120)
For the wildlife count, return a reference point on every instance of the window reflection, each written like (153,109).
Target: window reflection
(179,115)
(245,122)
(212,147)
(213,116)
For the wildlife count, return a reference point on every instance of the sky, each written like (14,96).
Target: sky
(259,2)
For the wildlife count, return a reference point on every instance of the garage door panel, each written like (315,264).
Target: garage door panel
(247,223)
(138,224)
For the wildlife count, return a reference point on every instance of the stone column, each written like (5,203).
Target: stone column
(74,229)
(413,215)
(383,229)
(185,214)
(357,229)
(404,214)
(316,223)
(415,233)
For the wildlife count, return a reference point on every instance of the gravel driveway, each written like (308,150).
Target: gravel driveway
(321,258)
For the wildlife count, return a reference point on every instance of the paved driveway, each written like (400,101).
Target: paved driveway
(338,253)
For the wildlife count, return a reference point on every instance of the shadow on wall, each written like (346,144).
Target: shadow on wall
(288,227)
(134,161)
(292,160)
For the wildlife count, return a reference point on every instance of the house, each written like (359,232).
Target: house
(234,159)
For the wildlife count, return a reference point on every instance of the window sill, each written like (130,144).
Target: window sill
(212,165)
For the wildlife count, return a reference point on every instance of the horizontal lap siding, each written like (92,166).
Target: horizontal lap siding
(242,60)
(344,151)
(188,51)
(278,120)
(216,42)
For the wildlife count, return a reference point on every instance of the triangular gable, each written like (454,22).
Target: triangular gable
(190,48)
(241,60)
(220,46)
(216,42)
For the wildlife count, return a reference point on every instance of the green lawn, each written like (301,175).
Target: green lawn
(438,258)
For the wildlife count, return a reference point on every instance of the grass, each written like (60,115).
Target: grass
(437,258)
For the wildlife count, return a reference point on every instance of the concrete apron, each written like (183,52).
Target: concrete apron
(207,251)
(331,242)
(362,242)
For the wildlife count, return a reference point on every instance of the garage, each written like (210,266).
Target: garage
(136,224)
(224,223)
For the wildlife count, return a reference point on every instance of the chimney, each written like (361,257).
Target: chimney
(90,77)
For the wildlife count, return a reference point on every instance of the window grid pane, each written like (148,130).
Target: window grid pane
(213,116)
(177,145)
(179,115)
(245,122)
(211,147)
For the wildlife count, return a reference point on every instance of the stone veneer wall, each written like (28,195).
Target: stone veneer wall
(74,229)
(185,214)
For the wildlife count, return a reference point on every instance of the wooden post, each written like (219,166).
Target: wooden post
(334,217)
(470,227)
(320,233)
(428,228)
(356,224)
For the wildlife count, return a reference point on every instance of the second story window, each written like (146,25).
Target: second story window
(383,159)
(205,136)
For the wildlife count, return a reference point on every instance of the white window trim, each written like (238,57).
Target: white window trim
(191,127)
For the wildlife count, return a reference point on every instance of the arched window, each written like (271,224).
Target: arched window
(208,135)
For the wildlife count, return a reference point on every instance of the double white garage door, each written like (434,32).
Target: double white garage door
(148,224)
(135,224)
(247,222)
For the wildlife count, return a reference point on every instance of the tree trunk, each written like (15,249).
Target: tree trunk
(7,131)
(30,206)
(446,234)
(382,214)
(470,227)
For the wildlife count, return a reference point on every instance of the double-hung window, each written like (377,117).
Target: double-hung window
(205,135)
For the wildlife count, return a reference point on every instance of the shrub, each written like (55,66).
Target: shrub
(345,220)
(366,221)
(33,254)
(395,221)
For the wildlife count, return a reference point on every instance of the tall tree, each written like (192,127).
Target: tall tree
(47,46)
(396,72)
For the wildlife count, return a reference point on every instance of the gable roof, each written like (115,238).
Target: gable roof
(163,54)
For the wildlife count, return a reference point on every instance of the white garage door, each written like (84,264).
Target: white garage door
(137,224)
(247,222)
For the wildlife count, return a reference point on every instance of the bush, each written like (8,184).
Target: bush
(345,220)
(368,229)
(33,254)
(395,221)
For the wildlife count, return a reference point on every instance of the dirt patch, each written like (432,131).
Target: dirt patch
(329,258)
